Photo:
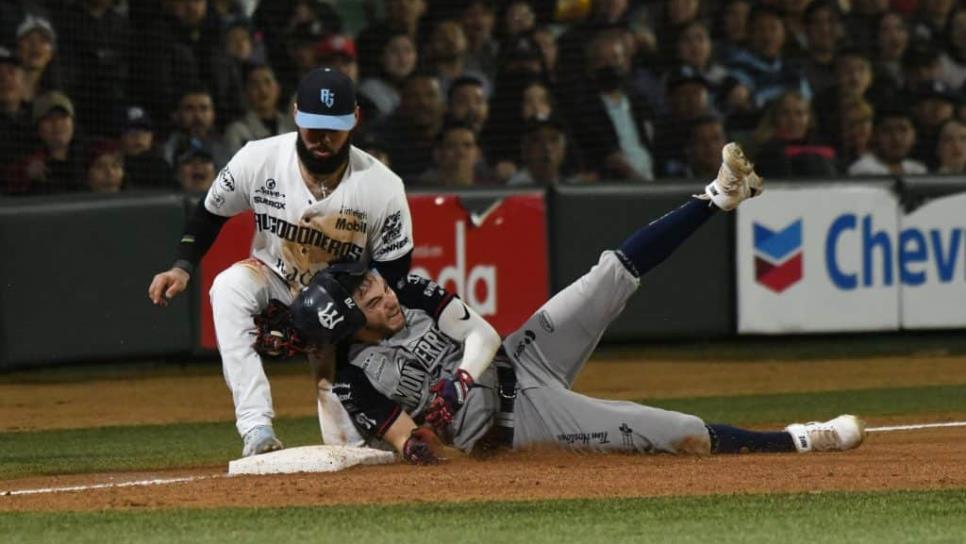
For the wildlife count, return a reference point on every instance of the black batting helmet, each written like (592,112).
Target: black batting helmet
(324,312)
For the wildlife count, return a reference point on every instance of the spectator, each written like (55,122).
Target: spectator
(671,17)
(397,62)
(143,164)
(732,34)
(761,68)
(920,65)
(57,164)
(240,43)
(105,167)
(409,133)
(951,149)
(455,155)
(95,42)
(514,104)
(823,29)
(36,41)
(694,52)
(516,18)
(706,139)
(402,16)
(688,98)
(855,130)
(893,138)
(572,44)
(277,19)
(934,104)
(478,18)
(15,121)
(931,18)
(789,147)
(262,118)
(853,80)
(793,16)
(615,126)
(195,167)
(544,154)
(161,62)
(467,103)
(546,41)
(194,119)
(953,58)
(892,41)
(302,54)
(863,22)
(446,51)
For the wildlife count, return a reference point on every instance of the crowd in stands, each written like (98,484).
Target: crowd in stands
(111,95)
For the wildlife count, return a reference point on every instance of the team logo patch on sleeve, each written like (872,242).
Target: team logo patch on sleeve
(226,180)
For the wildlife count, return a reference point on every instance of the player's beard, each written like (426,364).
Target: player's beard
(326,166)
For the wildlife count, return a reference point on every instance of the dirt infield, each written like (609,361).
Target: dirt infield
(920,459)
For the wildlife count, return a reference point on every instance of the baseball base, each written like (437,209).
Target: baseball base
(309,459)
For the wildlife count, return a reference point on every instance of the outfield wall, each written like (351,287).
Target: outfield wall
(878,255)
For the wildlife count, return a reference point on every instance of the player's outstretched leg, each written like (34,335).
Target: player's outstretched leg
(842,433)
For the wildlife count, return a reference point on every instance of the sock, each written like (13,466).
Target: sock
(650,245)
(728,439)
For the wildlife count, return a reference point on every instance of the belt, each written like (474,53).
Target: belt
(507,391)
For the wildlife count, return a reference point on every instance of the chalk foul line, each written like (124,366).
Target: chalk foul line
(914,427)
(88,487)
(186,479)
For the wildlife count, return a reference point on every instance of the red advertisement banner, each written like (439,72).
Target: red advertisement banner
(495,261)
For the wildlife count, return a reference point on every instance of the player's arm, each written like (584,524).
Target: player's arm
(377,416)
(396,269)
(224,199)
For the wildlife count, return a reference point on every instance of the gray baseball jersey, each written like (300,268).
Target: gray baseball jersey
(546,354)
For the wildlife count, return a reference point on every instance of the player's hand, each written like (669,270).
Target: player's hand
(422,447)
(276,335)
(166,285)
(449,394)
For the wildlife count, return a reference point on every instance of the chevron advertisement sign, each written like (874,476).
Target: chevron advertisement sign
(778,255)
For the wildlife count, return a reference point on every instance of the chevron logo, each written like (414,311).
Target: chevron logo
(778,256)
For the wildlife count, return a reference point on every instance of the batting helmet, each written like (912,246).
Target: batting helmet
(324,312)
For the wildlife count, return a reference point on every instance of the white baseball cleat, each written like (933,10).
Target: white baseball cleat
(839,434)
(261,439)
(736,180)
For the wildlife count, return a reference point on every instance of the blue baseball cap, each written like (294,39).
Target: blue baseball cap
(326,99)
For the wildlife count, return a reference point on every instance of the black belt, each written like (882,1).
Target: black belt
(507,391)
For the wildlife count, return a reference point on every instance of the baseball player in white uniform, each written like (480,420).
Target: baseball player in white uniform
(317,200)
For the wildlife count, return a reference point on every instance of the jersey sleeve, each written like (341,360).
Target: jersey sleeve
(424,294)
(392,236)
(371,411)
(229,192)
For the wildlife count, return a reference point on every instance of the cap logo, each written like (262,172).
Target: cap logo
(329,316)
(328,97)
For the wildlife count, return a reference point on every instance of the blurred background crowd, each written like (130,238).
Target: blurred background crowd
(111,95)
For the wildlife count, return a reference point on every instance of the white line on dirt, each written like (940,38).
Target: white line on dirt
(135,483)
(166,481)
(914,427)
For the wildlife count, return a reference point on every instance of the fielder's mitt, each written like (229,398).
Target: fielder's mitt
(276,335)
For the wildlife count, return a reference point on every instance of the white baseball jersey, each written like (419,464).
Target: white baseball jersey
(296,234)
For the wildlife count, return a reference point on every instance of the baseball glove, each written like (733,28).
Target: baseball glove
(276,335)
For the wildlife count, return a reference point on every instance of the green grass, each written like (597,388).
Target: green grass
(807,518)
(208,444)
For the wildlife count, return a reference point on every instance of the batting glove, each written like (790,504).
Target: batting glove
(449,394)
(419,447)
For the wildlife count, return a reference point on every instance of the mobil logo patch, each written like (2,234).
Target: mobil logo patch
(778,255)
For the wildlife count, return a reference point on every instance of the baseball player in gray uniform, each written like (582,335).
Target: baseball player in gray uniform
(416,357)
(316,199)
